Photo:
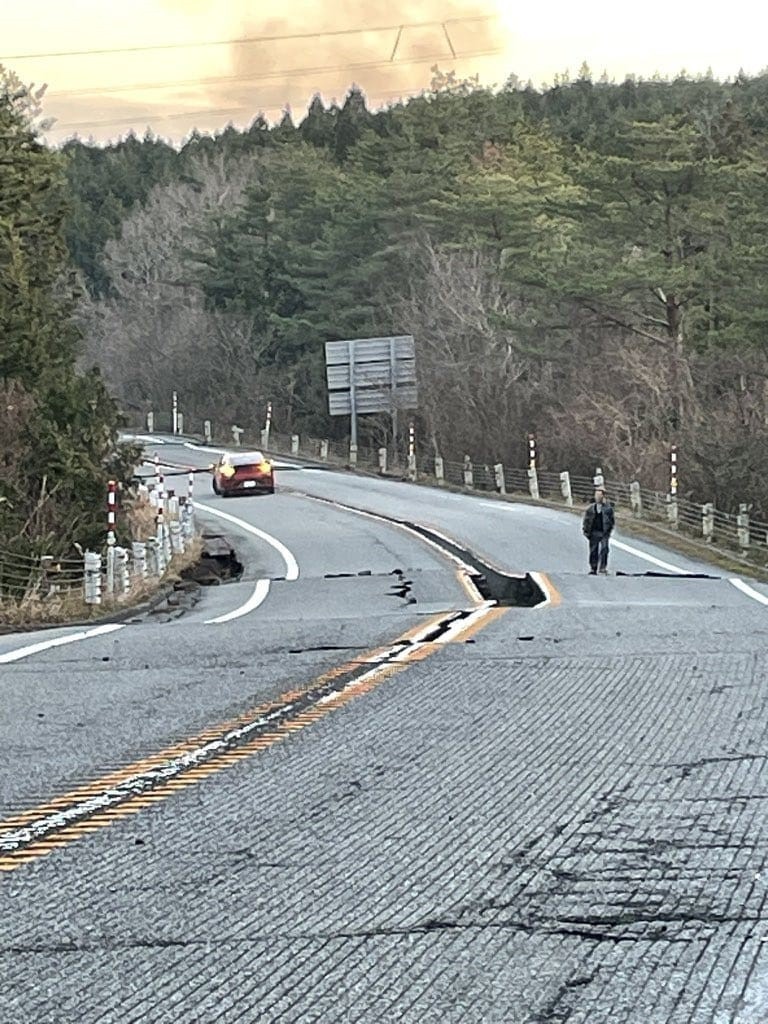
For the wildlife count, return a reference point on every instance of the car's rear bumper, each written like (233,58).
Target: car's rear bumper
(256,487)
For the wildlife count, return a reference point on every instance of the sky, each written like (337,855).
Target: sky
(173,65)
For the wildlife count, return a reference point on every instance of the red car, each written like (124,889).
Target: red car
(243,473)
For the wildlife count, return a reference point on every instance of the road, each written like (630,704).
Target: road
(271,810)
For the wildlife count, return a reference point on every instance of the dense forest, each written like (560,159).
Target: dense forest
(587,261)
(58,424)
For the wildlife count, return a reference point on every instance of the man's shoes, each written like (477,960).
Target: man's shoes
(603,572)
(593,572)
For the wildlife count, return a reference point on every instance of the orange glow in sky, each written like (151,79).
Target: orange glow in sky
(201,79)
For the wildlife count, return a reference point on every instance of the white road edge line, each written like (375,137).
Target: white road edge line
(746,589)
(291,565)
(646,557)
(59,641)
(259,595)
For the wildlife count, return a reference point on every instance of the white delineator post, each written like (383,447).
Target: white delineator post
(92,560)
(412,474)
(236,433)
(708,522)
(323,450)
(501,483)
(160,525)
(565,488)
(175,413)
(352,455)
(150,421)
(469,473)
(207,435)
(742,527)
(139,553)
(382,460)
(439,470)
(636,498)
(533,477)
(672,510)
(294,444)
(122,576)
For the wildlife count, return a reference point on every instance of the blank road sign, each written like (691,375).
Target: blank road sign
(367,375)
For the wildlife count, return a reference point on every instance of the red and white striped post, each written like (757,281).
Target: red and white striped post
(267,427)
(533,477)
(673,511)
(412,472)
(111,512)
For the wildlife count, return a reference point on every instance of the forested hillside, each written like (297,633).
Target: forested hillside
(58,424)
(587,261)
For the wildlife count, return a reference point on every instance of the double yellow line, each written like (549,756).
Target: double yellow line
(412,649)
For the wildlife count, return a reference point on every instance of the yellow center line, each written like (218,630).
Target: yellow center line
(227,758)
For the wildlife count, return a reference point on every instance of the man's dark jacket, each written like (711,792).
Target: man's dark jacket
(609,520)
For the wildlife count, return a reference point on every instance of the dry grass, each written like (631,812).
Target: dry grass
(141,517)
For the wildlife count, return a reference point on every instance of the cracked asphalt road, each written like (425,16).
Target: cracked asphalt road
(562,819)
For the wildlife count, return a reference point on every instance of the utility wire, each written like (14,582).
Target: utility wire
(375,95)
(247,40)
(273,75)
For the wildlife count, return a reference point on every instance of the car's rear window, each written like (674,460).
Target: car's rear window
(247,459)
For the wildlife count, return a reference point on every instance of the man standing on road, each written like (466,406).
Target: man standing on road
(597,527)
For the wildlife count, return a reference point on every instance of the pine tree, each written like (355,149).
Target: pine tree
(65,447)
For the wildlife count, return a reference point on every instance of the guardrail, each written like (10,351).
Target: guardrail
(729,533)
(108,577)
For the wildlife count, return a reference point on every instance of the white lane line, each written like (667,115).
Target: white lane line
(203,448)
(460,625)
(59,641)
(259,595)
(749,591)
(291,565)
(667,566)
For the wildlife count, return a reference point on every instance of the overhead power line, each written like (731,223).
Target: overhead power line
(247,40)
(299,72)
(375,95)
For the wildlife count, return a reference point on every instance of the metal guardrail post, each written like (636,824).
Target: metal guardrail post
(122,577)
(673,513)
(139,552)
(565,488)
(742,527)
(154,556)
(636,498)
(110,570)
(92,577)
(708,522)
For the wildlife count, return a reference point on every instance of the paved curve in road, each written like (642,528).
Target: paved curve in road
(558,815)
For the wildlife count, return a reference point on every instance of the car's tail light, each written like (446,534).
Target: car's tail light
(227,471)
(265,467)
